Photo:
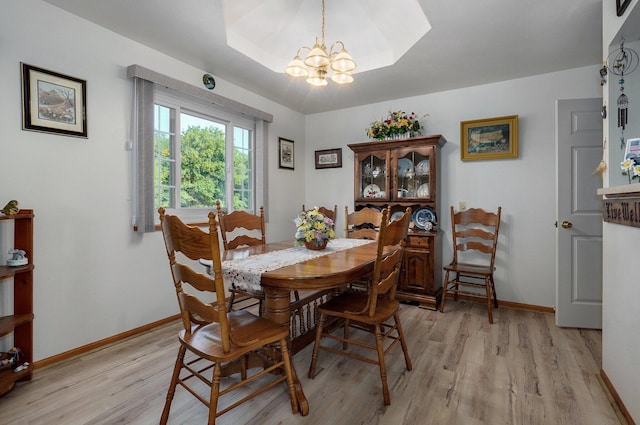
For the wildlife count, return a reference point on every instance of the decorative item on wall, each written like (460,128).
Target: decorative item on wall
(208,81)
(53,102)
(489,138)
(397,125)
(621,6)
(329,158)
(622,61)
(286,153)
(631,164)
(603,74)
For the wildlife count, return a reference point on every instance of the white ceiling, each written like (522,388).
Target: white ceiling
(471,42)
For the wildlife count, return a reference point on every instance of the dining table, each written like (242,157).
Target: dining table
(278,269)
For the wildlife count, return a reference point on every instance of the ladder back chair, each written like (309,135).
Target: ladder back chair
(370,311)
(362,224)
(332,214)
(475,240)
(238,229)
(214,337)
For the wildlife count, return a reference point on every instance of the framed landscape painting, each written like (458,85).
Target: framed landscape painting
(489,138)
(53,102)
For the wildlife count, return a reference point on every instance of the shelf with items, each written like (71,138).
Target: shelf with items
(405,173)
(20,322)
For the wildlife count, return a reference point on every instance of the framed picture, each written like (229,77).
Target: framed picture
(632,150)
(53,102)
(489,138)
(621,6)
(286,153)
(329,158)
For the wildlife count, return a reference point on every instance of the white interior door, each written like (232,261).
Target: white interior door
(579,214)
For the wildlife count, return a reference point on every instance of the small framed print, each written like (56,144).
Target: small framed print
(489,138)
(53,102)
(329,158)
(286,156)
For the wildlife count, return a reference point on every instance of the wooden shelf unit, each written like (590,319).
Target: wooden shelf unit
(385,166)
(20,323)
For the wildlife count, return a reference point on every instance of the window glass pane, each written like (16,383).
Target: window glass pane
(242,163)
(202,158)
(164,167)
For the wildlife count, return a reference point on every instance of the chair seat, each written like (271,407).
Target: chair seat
(347,303)
(206,340)
(477,269)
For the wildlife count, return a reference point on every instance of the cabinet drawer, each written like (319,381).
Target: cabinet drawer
(417,241)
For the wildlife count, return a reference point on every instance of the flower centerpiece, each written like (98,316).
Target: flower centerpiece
(397,124)
(313,229)
(631,167)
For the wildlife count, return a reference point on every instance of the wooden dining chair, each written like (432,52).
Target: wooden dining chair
(475,240)
(362,224)
(332,214)
(370,311)
(214,337)
(238,229)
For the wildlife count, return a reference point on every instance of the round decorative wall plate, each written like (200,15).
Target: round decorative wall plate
(424,218)
(208,81)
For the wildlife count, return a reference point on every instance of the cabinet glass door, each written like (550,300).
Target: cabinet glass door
(414,175)
(373,177)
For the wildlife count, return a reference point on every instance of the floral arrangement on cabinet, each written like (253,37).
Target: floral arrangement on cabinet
(313,228)
(396,125)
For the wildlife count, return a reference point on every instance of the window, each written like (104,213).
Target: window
(191,148)
(201,154)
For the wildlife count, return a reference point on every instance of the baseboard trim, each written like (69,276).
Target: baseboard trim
(616,398)
(103,342)
(509,304)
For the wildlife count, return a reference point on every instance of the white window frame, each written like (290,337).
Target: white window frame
(185,104)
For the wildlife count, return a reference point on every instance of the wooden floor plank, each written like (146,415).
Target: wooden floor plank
(520,370)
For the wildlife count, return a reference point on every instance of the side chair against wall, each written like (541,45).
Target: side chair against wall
(371,311)
(214,337)
(475,240)
(239,228)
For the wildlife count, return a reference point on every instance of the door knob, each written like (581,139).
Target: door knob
(567,224)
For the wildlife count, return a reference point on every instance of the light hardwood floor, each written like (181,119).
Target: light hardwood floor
(520,370)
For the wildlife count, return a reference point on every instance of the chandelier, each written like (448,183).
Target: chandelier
(321,64)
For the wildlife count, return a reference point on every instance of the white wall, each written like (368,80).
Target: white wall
(94,276)
(524,187)
(620,313)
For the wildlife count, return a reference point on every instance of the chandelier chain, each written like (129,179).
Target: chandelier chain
(323,22)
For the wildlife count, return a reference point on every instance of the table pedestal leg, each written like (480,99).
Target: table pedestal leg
(277,308)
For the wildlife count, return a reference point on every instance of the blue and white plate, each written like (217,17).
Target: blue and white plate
(422,216)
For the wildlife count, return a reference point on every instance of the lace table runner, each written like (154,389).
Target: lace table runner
(245,273)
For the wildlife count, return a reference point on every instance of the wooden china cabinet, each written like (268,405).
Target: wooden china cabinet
(405,173)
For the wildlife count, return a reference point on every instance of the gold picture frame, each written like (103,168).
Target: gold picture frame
(489,138)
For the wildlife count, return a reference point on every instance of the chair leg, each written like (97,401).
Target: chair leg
(172,386)
(403,342)
(493,289)
(288,370)
(316,346)
(215,392)
(345,343)
(444,291)
(232,300)
(381,364)
(487,285)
